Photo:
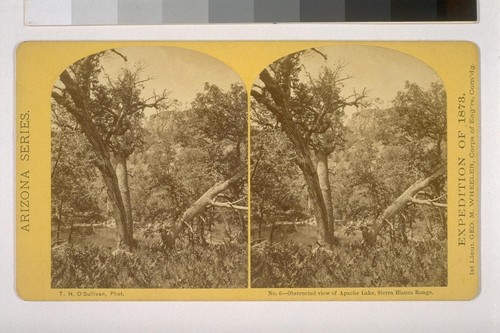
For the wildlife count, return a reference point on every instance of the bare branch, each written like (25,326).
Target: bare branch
(320,53)
(428,203)
(256,164)
(59,154)
(228,205)
(187,224)
(205,201)
(121,55)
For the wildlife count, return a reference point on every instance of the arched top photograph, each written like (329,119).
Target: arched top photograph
(349,147)
(148,170)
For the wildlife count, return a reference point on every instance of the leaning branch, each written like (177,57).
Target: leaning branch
(409,196)
(208,199)
(324,56)
(59,154)
(118,53)
(428,202)
(227,205)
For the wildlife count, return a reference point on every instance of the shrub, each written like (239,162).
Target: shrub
(350,265)
(92,266)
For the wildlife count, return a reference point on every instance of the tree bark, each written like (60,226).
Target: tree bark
(206,201)
(122,177)
(261,217)
(402,202)
(304,161)
(78,108)
(324,182)
(300,145)
(59,220)
(109,207)
(115,196)
(70,234)
(271,234)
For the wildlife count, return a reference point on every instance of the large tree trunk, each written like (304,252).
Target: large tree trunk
(109,207)
(308,168)
(206,201)
(324,183)
(403,201)
(70,233)
(114,194)
(301,147)
(315,192)
(271,234)
(261,217)
(78,109)
(59,220)
(122,176)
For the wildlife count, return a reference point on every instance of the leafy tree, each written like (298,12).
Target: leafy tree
(422,116)
(219,118)
(108,114)
(204,159)
(74,182)
(310,112)
(276,187)
(418,121)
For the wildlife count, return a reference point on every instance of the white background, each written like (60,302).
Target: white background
(479,315)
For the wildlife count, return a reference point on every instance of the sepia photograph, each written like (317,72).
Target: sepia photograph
(331,171)
(149,171)
(348,171)
(276,171)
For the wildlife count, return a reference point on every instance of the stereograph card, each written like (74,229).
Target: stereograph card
(269,171)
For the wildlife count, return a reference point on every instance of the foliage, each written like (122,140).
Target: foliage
(92,266)
(309,108)
(422,113)
(388,150)
(75,185)
(188,151)
(276,187)
(220,119)
(109,112)
(291,265)
(109,151)
(115,105)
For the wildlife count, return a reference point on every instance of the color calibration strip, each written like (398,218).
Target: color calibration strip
(155,12)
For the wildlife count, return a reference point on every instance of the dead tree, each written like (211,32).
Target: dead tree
(409,197)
